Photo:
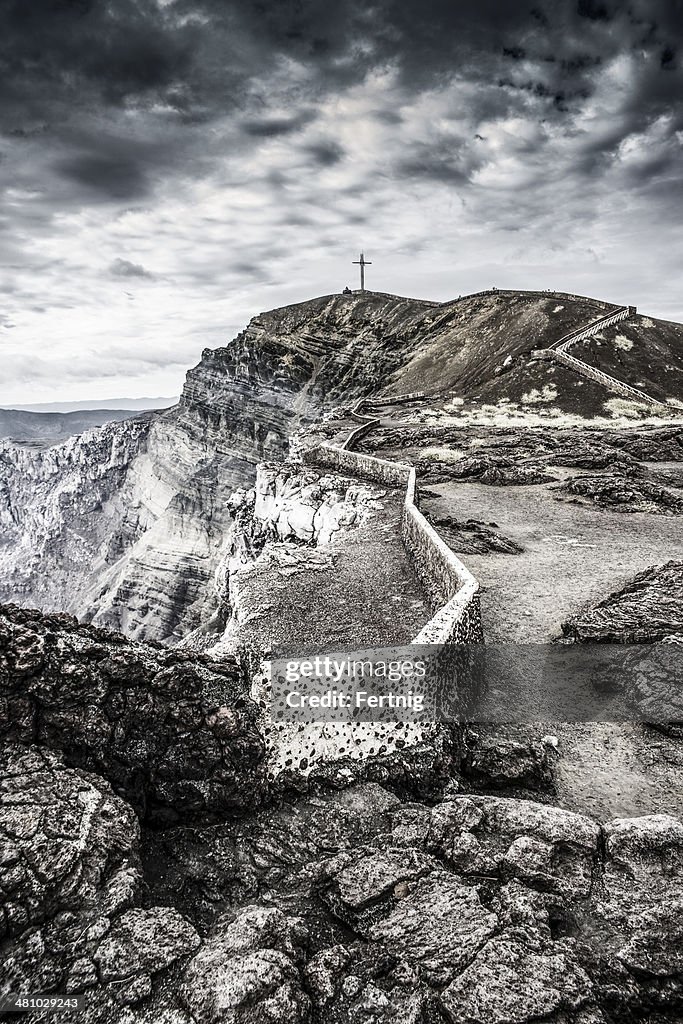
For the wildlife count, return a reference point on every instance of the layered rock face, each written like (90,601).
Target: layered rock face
(125,526)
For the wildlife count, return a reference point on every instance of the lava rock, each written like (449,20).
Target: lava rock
(248,971)
(647,609)
(70,879)
(541,845)
(174,733)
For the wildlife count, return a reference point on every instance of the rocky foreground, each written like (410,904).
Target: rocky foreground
(345,907)
(147,864)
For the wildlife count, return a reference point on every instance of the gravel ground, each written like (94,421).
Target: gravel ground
(357,593)
(572,555)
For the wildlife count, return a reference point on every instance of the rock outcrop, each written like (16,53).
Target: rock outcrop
(478,908)
(71,886)
(622,492)
(174,734)
(646,610)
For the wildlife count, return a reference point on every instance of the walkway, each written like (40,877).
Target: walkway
(573,556)
(359,592)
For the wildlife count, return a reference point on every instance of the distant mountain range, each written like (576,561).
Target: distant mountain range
(103,403)
(47,427)
(55,421)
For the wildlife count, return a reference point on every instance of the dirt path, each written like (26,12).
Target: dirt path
(357,593)
(609,770)
(572,555)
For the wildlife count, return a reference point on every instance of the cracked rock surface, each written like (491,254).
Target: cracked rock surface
(346,905)
(174,734)
(357,905)
(71,883)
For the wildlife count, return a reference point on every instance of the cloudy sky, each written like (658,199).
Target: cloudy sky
(172,167)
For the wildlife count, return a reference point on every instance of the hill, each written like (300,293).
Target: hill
(126,526)
(47,427)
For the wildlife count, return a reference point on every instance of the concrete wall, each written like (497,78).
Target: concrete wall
(410,396)
(450,586)
(381,471)
(453,591)
(366,425)
(589,330)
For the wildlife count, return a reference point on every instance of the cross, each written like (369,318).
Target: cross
(362,263)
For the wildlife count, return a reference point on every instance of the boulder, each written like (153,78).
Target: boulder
(543,846)
(508,983)
(248,971)
(70,879)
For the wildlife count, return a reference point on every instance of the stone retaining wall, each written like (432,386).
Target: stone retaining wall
(381,471)
(410,396)
(450,586)
(302,746)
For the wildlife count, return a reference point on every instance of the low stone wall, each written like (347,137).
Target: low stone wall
(526,293)
(366,425)
(303,747)
(592,328)
(450,586)
(392,474)
(410,396)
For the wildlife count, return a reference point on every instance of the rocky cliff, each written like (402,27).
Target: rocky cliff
(126,525)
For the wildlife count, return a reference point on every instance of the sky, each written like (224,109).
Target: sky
(170,168)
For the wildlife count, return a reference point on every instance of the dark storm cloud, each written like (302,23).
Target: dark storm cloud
(325,153)
(216,139)
(272,127)
(115,177)
(64,59)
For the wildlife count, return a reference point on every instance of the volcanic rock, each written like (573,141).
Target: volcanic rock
(174,734)
(647,609)
(70,877)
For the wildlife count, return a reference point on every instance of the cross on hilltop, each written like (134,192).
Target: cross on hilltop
(362,263)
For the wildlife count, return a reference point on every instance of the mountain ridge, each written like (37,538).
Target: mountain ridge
(126,525)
